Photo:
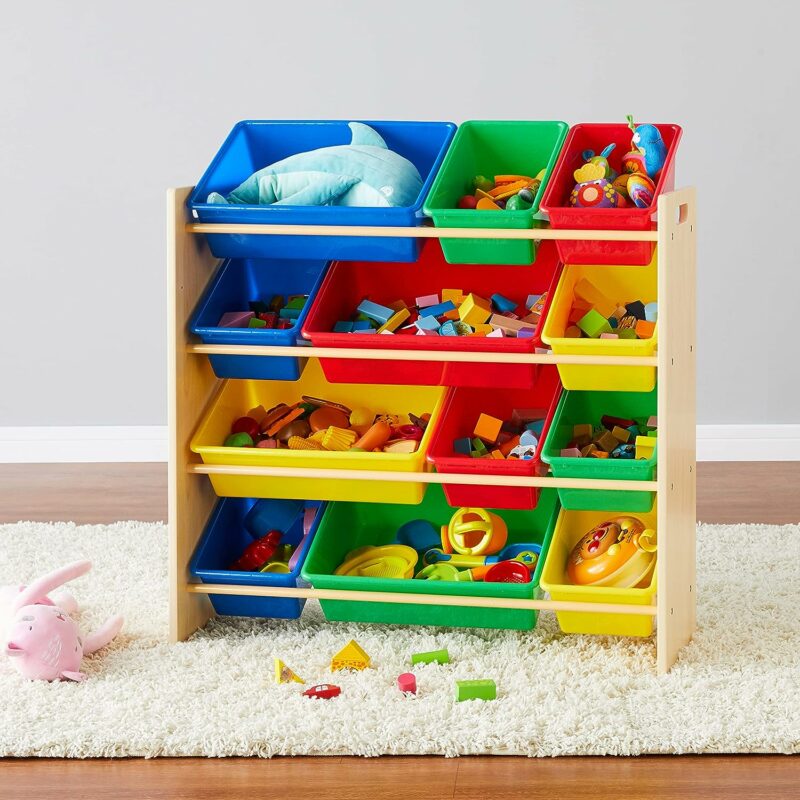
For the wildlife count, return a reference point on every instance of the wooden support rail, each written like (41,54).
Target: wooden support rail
(419,355)
(424,232)
(422,477)
(419,599)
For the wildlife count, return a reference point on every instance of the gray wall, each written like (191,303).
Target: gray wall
(104,105)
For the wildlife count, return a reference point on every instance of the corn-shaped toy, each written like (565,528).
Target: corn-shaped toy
(299,443)
(339,439)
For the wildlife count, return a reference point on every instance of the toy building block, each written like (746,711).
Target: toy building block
(427,300)
(235,319)
(427,324)
(627,323)
(298,301)
(497,333)
(583,429)
(645,447)
(276,303)
(482,330)
(606,441)
(375,311)
(585,290)
(496,454)
(609,336)
(488,428)
(626,333)
(635,309)
(502,303)
(621,434)
(270,317)
(397,305)
(609,422)
(593,323)
(437,310)
(407,683)
(506,324)
(652,422)
(476,690)
(651,312)
(463,446)
(532,300)
(255,322)
(431,657)
(618,313)
(570,452)
(361,325)
(479,446)
(526,333)
(259,306)
(645,329)
(284,674)
(455,296)
(289,313)
(572,332)
(475,309)
(598,454)
(351,656)
(395,321)
(588,450)
(448,329)
(343,326)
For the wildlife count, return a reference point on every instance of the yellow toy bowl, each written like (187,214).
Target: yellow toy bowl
(622,284)
(237,397)
(571,528)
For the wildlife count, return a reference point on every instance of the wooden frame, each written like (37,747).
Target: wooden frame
(192,385)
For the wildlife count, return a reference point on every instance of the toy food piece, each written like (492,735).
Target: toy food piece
(440,572)
(257,553)
(246,425)
(377,435)
(297,427)
(508,572)
(467,201)
(407,683)
(387,561)
(323,691)
(284,674)
(475,531)
(620,552)
(238,440)
(328,417)
(351,656)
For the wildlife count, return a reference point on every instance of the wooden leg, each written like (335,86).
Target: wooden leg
(191,385)
(676,424)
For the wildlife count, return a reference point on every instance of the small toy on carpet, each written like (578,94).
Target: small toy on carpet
(41,638)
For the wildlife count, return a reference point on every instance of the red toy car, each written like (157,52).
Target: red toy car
(324,690)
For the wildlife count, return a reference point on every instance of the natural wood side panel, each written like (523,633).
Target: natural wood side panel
(191,385)
(676,425)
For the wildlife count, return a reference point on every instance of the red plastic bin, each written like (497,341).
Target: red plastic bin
(462,406)
(596,136)
(349,282)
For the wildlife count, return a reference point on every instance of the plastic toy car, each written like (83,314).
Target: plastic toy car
(323,690)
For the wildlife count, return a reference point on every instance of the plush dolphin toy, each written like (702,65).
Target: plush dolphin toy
(362,173)
(42,640)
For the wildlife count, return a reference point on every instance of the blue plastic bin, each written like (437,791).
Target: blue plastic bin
(225,538)
(254,144)
(236,283)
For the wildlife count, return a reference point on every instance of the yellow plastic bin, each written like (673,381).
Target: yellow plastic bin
(622,284)
(239,396)
(570,528)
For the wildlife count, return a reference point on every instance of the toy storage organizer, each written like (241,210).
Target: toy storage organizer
(195,389)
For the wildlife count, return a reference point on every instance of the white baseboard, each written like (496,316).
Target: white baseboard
(149,443)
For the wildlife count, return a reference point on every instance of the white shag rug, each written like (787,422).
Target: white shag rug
(734,689)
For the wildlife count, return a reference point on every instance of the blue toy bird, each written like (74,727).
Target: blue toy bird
(648,140)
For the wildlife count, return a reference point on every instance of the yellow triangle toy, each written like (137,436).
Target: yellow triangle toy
(351,656)
(284,674)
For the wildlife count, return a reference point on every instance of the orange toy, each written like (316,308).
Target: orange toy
(376,436)
(620,552)
(474,532)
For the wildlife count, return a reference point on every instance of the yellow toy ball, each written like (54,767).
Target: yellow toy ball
(474,532)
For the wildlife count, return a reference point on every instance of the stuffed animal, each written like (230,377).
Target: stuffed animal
(362,173)
(40,636)
(647,140)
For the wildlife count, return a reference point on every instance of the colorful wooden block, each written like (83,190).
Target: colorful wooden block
(276,303)
(497,333)
(651,312)
(427,300)
(606,441)
(588,449)
(235,319)
(570,452)
(463,446)
(620,434)
(645,447)
(496,454)
(397,305)
(289,313)
(532,300)
(362,325)
(482,330)
(626,333)
(609,336)
(635,309)
(437,310)
(572,332)
(502,303)
(645,329)
(255,322)
(479,447)
(431,657)
(375,311)
(506,447)
(652,422)
(475,309)
(455,296)
(298,302)
(599,454)
(585,290)
(395,321)
(476,690)
(487,428)
(284,674)
(343,326)
(270,317)
(427,323)
(609,422)
(582,429)
(506,324)
(593,323)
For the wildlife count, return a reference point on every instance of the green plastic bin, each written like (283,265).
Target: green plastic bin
(492,148)
(346,526)
(581,407)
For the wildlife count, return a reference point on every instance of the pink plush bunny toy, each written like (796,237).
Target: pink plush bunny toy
(41,638)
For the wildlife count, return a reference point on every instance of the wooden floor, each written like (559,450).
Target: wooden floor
(96,493)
